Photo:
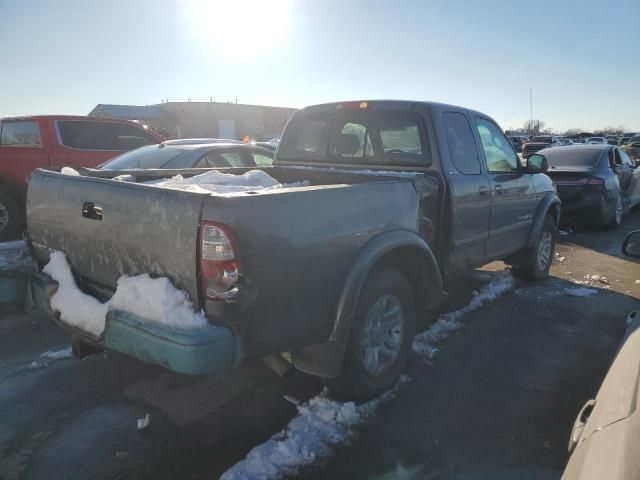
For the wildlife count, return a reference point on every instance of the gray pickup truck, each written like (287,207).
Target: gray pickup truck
(400,198)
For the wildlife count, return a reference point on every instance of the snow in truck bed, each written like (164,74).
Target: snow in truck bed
(218,182)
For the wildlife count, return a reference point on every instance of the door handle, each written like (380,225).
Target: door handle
(483,191)
(498,189)
(92,211)
(581,421)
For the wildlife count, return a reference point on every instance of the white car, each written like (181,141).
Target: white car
(597,140)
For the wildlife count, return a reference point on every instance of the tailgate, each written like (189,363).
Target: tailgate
(125,229)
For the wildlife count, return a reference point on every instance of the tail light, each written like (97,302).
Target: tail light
(219,266)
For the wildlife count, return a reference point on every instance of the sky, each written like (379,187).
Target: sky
(579,57)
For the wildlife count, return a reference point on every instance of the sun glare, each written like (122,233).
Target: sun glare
(240,29)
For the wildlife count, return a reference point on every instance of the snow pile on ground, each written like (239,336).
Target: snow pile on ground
(51,357)
(425,343)
(57,354)
(219,182)
(154,299)
(15,256)
(580,292)
(321,424)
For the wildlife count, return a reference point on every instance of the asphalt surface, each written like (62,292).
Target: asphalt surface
(497,402)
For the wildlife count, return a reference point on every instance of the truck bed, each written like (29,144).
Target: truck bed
(301,239)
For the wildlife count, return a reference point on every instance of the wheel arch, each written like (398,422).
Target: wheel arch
(549,205)
(403,250)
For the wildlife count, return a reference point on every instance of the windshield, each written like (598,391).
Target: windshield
(353,138)
(573,157)
(151,156)
(542,139)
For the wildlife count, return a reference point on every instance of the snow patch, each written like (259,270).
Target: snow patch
(154,299)
(580,292)
(69,171)
(321,424)
(219,182)
(424,343)
(58,354)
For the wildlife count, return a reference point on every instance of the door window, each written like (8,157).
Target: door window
(462,146)
(234,159)
(498,152)
(83,135)
(20,134)
(626,160)
(261,159)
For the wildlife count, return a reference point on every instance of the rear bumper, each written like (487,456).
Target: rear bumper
(591,209)
(205,350)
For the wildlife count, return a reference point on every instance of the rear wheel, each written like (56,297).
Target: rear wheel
(380,340)
(618,214)
(538,264)
(10,218)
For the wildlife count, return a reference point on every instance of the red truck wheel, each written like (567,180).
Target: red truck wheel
(10,218)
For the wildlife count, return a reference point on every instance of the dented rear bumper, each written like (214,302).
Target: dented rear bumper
(204,350)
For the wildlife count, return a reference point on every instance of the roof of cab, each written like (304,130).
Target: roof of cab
(407,105)
(65,117)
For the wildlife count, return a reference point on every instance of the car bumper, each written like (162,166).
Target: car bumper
(204,350)
(591,209)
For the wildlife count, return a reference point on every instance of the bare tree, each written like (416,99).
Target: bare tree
(534,126)
(573,131)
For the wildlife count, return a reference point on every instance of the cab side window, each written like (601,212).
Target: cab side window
(462,146)
(20,134)
(498,152)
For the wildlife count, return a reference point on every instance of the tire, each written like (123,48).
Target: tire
(11,219)
(539,262)
(385,291)
(618,213)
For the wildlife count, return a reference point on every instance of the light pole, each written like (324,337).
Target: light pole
(530,109)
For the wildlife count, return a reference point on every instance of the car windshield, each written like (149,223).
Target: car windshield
(542,139)
(573,157)
(152,156)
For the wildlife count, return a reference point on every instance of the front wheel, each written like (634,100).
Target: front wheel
(538,264)
(380,340)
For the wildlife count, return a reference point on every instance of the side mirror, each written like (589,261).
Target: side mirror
(631,245)
(537,163)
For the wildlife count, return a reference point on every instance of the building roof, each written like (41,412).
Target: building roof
(138,112)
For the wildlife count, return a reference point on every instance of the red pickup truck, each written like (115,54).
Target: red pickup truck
(27,143)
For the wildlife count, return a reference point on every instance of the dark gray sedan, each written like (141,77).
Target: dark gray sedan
(597,184)
(192,155)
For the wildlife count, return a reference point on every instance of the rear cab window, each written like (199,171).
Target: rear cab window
(361,137)
(21,134)
(95,135)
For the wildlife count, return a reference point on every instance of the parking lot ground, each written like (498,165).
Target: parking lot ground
(498,401)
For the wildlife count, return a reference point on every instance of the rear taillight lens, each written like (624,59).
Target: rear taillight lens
(219,266)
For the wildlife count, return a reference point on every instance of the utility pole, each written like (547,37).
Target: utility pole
(530,108)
